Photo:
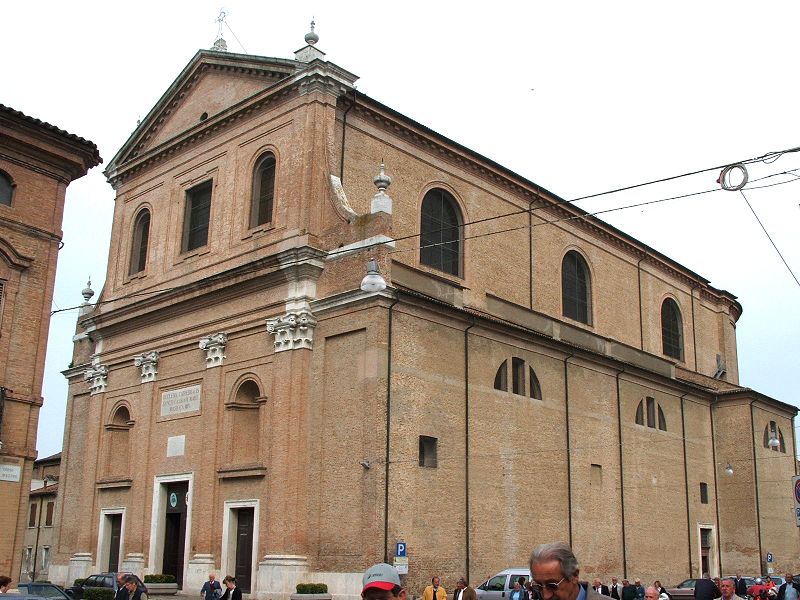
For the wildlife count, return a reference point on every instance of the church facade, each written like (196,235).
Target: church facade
(239,404)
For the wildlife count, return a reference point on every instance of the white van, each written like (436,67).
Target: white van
(499,586)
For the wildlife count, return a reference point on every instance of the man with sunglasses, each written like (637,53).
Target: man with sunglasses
(554,569)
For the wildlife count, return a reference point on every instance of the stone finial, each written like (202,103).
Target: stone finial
(381,202)
(294,330)
(214,345)
(98,375)
(220,45)
(148,364)
(87,292)
(311,37)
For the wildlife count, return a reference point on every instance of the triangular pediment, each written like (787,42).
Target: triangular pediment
(211,83)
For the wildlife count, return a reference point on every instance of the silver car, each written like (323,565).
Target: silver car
(498,586)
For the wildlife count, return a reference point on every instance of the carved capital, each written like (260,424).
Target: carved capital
(148,363)
(214,345)
(293,330)
(97,374)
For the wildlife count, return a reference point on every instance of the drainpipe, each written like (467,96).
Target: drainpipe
(694,333)
(621,478)
(569,463)
(794,448)
(755,479)
(686,487)
(530,249)
(344,135)
(641,320)
(388,421)
(466,444)
(716,489)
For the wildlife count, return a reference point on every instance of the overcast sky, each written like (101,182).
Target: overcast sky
(580,97)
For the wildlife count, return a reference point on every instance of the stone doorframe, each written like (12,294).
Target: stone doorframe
(155,557)
(104,537)
(229,526)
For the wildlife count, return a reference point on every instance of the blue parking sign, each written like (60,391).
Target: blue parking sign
(400,549)
(769,557)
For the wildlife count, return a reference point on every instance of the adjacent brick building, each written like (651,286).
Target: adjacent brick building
(37,163)
(239,404)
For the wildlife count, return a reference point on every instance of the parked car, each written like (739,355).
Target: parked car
(46,590)
(103,580)
(685,589)
(498,586)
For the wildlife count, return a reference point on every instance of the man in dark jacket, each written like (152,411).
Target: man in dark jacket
(211,589)
(789,590)
(741,586)
(134,591)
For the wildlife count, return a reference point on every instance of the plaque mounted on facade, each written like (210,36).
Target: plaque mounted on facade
(180,402)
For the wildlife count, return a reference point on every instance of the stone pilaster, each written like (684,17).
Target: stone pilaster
(214,345)
(147,363)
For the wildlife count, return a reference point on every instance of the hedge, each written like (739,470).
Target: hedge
(98,593)
(312,588)
(159,578)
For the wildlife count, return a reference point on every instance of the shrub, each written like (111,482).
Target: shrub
(159,578)
(97,593)
(312,588)
(77,582)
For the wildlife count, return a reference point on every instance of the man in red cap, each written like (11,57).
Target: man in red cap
(381,582)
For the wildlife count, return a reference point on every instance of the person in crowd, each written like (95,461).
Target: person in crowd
(232,592)
(639,589)
(463,590)
(661,591)
(758,589)
(554,570)
(122,591)
(380,579)
(705,589)
(651,593)
(134,591)
(615,588)
(727,588)
(600,588)
(518,593)
(434,591)
(211,589)
(628,590)
(789,590)
(741,585)
(5,583)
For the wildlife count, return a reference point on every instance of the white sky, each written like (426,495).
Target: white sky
(623,93)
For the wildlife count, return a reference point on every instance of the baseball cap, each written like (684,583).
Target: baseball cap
(381,576)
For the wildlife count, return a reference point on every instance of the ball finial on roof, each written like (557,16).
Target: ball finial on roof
(87,292)
(311,37)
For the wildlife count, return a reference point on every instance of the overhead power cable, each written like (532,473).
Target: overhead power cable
(510,214)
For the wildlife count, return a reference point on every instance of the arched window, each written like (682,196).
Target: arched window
(671,329)
(441,232)
(649,414)
(576,288)
(141,237)
(518,381)
(772,433)
(263,191)
(6,189)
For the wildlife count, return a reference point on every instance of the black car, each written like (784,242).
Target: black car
(45,590)
(101,580)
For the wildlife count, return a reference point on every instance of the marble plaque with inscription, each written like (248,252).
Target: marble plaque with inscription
(181,400)
(10,472)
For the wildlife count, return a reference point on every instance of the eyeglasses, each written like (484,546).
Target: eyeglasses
(540,587)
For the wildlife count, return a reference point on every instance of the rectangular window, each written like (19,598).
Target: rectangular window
(45,557)
(32,516)
(596,475)
(196,216)
(427,451)
(48,519)
(651,412)
(26,558)
(703,493)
